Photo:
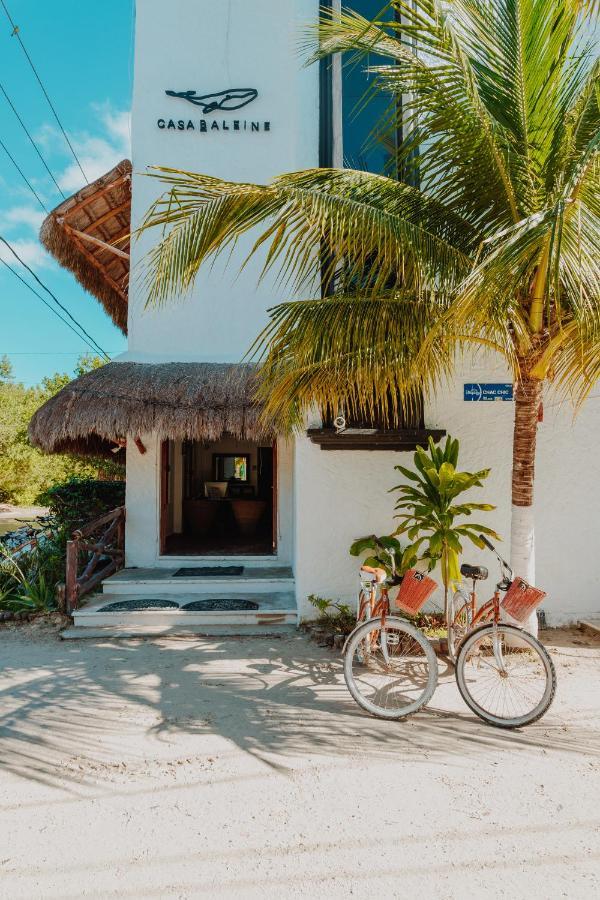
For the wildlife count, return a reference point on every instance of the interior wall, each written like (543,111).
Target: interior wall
(203,461)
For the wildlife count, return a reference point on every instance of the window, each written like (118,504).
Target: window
(361,149)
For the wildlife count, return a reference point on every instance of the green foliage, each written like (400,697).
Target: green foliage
(385,552)
(79,500)
(6,369)
(430,516)
(28,580)
(334,616)
(25,471)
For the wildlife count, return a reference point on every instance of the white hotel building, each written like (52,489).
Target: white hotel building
(204,487)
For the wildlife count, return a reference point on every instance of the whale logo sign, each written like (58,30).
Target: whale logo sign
(234,98)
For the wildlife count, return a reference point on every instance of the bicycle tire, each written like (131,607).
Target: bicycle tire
(514,633)
(360,635)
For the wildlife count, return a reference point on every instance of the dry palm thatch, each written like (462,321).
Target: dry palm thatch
(194,401)
(77,233)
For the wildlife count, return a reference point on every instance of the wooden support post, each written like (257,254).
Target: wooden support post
(71,586)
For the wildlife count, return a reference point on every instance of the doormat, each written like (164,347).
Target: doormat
(129,605)
(188,572)
(225,605)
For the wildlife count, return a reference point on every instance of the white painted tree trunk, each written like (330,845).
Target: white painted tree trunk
(522,551)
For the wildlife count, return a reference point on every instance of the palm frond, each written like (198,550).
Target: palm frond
(360,222)
(348,351)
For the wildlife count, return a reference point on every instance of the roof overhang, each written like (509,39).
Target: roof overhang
(186,401)
(89,235)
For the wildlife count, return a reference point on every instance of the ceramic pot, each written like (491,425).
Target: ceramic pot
(247,514)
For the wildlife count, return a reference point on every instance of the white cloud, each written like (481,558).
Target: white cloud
(98,153)
(31,252)
(18,216)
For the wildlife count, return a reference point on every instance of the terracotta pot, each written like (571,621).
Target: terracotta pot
(199,515)
(248,514)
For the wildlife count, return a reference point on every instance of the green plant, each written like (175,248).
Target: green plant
(79,500)
(490,239)
(335,617)
(26,584)
(385,552)
(431,517)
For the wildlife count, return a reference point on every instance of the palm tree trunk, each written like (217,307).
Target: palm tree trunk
(528,394)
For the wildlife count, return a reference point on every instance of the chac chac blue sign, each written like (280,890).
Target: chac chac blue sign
(493,391)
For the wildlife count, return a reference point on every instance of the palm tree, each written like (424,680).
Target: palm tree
(498,247)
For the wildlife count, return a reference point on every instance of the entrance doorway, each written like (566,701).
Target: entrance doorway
(218,499)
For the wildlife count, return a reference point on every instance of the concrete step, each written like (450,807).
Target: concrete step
(255,580)
(275,608)
(591,626)
(147,630)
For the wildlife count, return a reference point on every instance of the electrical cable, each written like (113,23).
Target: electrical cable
(15,33)
(31,140)
(89,340)
(45,302)
(22,174)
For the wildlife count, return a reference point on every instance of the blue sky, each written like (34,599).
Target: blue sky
(83,52)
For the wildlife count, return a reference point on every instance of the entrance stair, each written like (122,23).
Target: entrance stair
(155,602)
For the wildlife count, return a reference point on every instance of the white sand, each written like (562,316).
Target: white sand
(242,768)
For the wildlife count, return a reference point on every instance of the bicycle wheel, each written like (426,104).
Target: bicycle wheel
(398,673)
(505,675)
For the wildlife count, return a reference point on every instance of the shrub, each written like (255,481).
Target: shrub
(334,617)
(79,500)
(28,580)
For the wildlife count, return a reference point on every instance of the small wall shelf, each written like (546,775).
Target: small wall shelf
(373,439)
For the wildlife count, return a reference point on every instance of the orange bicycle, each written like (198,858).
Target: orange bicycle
(504,674)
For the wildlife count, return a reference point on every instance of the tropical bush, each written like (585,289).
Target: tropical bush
(433,519)
(79,500)
(334,617)
(28,580)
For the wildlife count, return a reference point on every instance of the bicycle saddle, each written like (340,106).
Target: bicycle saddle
(479,573)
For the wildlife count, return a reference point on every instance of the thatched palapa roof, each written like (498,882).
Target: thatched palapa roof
(179,400)
(88,234)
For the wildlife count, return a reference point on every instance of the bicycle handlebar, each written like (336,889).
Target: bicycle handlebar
(504,566)
(487,543)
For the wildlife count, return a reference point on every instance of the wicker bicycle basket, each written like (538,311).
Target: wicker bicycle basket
(521,599)
(415,589)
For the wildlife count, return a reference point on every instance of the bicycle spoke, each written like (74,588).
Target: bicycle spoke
(513,690)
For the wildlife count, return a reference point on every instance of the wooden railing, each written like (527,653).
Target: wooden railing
(95,551)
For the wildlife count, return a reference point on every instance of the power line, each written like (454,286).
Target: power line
(31,140)
(89,340)
(45,302)
(15,33)
(41,352)
(22,174)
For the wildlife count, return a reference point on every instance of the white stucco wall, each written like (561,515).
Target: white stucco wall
(208,47)
(343,495)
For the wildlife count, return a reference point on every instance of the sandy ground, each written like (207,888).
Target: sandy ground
(242,768)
